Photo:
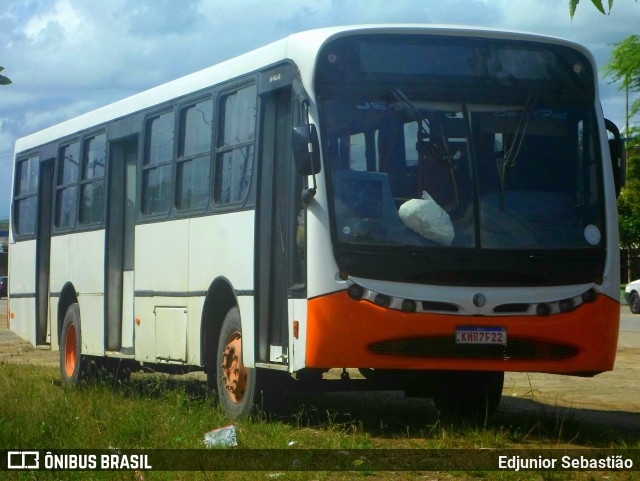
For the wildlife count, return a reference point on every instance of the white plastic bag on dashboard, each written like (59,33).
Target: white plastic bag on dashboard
(428,219)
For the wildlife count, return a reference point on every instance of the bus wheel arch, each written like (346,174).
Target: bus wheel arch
(221,298)
(68,297)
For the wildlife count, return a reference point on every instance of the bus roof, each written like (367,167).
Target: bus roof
(300,47)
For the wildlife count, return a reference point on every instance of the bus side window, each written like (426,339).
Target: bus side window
(194,156)
(157,167)
(92,183)
(235,149)
(67,186)
(26,193)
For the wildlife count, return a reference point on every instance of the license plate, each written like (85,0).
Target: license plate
(481,335)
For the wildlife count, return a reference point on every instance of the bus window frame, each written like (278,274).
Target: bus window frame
(144,167)
(82,181)
(56,229)
(24,157)
(181,108)
(248,200)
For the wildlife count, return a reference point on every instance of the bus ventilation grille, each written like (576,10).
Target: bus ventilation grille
(446,348)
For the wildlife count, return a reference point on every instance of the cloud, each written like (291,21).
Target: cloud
(69,56)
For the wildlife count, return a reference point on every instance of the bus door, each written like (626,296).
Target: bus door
(43,252)
(119,246)
(280,215)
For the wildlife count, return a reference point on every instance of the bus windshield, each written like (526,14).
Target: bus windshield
(470,159)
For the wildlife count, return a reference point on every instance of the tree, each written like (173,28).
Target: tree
(597,3)
(4,80)
(629,207)
(624,69)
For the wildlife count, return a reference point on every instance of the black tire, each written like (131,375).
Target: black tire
(236,399)
(634,302)
(468,395)
(73,365)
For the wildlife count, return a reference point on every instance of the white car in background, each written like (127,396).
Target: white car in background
(632,296)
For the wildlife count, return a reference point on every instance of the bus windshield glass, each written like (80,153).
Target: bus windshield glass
(460,143)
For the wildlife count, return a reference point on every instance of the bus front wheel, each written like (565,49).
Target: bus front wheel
(72,362)
(471,395)
(236,383)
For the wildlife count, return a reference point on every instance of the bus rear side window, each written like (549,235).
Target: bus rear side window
(26,191)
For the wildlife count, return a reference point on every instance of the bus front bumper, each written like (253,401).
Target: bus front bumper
(342,332)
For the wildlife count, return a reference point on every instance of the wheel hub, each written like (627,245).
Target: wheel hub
(70,351)
(234,373)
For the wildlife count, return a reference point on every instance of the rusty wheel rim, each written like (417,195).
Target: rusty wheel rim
(70,353)
(234,374)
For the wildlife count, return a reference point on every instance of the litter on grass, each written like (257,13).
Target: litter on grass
(223,437)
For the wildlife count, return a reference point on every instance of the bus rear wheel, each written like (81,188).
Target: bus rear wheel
(236,383)
(468,395)
(72,363)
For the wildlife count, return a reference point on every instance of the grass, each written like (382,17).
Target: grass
(38,412)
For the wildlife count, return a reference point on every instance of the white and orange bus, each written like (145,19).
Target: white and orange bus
(433,206)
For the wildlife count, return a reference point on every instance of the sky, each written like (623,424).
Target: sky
(67,57)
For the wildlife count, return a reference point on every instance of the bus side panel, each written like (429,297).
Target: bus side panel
(58,277)
(54,340)
(86,272)
(22,318)
(86,262)
(297,313)
(161,263)
(161,256)
(194,306)
(59,265)
(145,329)
(223,246)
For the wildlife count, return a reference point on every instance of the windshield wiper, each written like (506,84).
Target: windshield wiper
(511,153)
(423,134)
(422,145)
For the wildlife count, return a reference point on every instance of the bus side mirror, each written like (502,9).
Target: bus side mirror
(618,156)
(306,149)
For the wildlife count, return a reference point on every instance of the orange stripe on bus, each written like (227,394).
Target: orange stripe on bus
(340,329)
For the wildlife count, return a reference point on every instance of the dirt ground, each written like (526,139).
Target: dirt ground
(611,399)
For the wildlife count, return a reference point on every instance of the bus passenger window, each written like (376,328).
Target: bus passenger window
(92,185)
(26,192)
(235,150)
(67,186)
(193,163)
(156,169)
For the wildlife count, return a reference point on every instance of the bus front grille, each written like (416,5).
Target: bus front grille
(446,348)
